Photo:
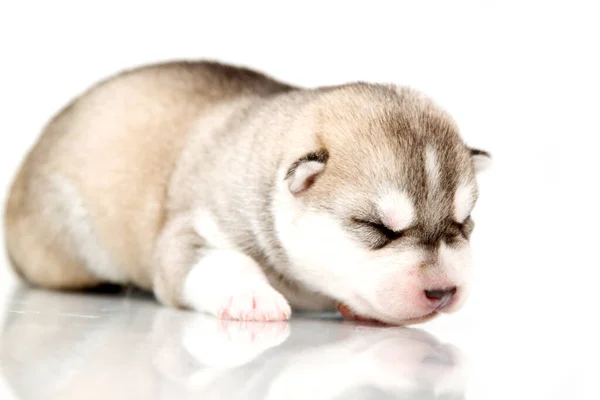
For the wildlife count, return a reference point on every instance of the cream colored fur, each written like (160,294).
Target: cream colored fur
(228,192)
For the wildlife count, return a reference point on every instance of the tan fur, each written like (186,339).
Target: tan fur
(111,190)
(118,144)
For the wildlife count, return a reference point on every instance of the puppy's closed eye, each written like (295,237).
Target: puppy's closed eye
(384,235)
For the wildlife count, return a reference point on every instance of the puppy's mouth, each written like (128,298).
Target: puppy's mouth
(347,313)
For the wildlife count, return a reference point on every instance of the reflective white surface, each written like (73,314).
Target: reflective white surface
(125,346)
(73,346)
(521,78)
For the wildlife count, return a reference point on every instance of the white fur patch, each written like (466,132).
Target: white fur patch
(397,210)
(207,228)
(230,284)
(464,200)
(432,168)
(456,264)
(71,218)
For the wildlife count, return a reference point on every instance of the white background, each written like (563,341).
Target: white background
(521,79)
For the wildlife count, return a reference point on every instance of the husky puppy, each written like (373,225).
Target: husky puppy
(228,192)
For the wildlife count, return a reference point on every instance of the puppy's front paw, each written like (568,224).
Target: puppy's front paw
(257,303)
(231,285)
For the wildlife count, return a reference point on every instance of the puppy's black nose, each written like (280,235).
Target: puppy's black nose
(440,293)
(439,298)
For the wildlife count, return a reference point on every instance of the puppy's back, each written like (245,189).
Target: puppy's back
(92,190)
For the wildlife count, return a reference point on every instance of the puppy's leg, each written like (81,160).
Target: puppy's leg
(49,236)
(223,282)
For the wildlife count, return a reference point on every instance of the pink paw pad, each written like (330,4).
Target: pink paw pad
(256,305)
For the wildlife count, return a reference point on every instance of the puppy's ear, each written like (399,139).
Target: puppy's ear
(482,160)
(303,173)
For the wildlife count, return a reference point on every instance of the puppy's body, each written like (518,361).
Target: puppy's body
(221,190)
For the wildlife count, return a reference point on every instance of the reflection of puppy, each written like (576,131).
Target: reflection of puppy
(73,346)
(398,362)
(340,361)
(76,346)
(197,351)
(98,347)
(216,342)
(228,192)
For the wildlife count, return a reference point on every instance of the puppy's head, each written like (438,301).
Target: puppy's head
(375,212)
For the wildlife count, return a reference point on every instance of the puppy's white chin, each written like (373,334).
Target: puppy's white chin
(392,321)
(358,313)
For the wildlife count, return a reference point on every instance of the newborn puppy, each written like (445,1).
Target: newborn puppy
(228,192)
